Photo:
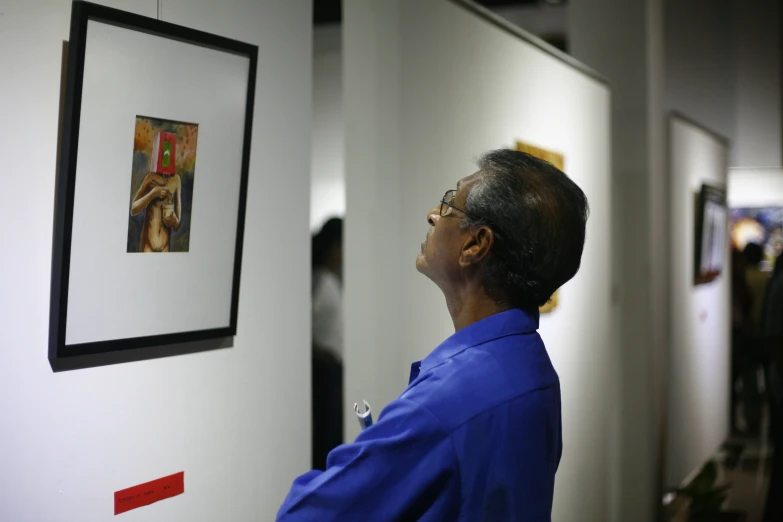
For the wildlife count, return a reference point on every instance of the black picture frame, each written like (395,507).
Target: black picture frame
(62,356)
(708,194)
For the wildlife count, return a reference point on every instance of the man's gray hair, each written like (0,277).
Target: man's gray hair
(538,216)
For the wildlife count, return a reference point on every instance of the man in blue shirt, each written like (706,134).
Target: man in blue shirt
(476,435)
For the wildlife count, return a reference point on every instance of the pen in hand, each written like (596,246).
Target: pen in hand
(365,419)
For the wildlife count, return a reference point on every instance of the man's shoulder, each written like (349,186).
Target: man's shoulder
(483,378)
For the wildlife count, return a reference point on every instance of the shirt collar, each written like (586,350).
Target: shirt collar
(510,322)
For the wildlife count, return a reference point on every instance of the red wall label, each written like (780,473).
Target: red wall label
(149,492)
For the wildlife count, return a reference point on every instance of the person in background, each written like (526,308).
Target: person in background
(327,324)
(476,436)
(772,334)
(741,335)
(757,281)
(754,360)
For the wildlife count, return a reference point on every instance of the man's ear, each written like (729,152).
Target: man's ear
(477,246)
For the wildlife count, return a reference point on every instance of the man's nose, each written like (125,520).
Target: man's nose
(433,216)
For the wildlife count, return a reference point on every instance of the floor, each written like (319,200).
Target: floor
(749,478)
(743,466)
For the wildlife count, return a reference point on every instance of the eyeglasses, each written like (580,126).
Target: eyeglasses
(448,202)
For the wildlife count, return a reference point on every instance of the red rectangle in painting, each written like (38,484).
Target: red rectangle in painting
(164,153)
(147,493)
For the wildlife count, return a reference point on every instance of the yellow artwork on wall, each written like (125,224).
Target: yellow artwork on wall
(555,158)
(558,161)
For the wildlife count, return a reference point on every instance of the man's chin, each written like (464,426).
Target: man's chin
(421,263)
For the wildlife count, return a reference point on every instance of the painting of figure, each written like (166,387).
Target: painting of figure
(711,233)
(162,179)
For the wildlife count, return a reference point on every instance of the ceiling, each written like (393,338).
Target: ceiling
(330,11)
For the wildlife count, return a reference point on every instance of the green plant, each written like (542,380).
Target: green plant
(706,498)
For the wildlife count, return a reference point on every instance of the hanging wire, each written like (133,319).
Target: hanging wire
(160,9)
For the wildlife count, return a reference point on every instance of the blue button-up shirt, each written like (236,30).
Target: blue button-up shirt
(475,436)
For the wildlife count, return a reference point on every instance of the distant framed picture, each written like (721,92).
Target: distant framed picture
(152,182)
(558,160)
(762,226)
(711,233)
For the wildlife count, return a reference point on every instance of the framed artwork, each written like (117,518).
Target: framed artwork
(763,226)
(558,161)
(711,233)
(555,158)
(152,182)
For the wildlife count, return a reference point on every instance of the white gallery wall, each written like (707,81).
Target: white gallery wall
(759,130)
(69,440)
(750,188)
(700,67)
(327,191)
(631,56)
(699,316)
(428,87)
(725,71)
